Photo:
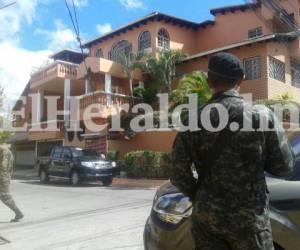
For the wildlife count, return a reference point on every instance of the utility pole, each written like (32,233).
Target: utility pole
(7,5)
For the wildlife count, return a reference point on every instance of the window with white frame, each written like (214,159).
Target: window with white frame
(295,73)
(253,33)
(99,53)
(276,69)
(120,49)
(163,39)
(252,68)
(144,41)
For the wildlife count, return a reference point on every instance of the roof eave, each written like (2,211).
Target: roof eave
(234,8)
(276,37)
(156,16)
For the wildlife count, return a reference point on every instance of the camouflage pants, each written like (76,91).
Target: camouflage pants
(210,234)
(7,199)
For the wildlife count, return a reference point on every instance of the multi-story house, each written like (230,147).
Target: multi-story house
(265,37)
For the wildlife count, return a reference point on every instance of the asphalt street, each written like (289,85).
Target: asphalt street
(61,217)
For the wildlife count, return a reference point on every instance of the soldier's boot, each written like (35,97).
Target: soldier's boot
(18,217)
(9,202)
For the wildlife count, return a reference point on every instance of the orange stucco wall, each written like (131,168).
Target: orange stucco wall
(181,38)
(232,27)
(275,87)
(257,87)
(151,141)
(228,29)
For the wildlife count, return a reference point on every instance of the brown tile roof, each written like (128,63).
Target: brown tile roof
(155,16)
(233,8)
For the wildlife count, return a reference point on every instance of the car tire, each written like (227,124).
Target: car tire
(74,178)
(44,177)
(107,182)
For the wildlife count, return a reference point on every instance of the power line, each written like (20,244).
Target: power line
(7,5)
(75,15)
(75,24)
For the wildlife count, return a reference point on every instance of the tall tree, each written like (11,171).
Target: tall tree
(4,117)
(163,69)
(130,62)
(194,83)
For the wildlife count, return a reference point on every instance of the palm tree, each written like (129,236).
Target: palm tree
(163,69)
(130,62)
(194,83)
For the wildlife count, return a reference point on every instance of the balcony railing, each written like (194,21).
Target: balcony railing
(107,99)
(57,69)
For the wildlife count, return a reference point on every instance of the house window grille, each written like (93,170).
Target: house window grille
(99,53)
(120,49)
(295,72)
(144,41)
(163,39)
(253,33)
(276,69)
(252,68)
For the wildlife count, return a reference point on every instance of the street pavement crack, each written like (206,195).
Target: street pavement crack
(77,215)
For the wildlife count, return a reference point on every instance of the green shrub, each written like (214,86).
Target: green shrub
(166,165)
(281,101)
(112,155)
(193,83)
(144,164)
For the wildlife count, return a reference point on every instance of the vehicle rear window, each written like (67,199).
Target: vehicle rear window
(66,153)
(57,151)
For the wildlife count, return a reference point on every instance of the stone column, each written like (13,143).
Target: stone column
(141,84)
(107,83)
(67,94)
(108,88)
(40,106)
(88,86)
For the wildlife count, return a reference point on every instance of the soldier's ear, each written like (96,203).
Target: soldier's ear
(238,84)
(209,83)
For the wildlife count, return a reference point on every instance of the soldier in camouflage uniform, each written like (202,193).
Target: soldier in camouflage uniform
(6,168)
(230,198)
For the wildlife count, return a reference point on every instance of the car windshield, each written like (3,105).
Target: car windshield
(78,152)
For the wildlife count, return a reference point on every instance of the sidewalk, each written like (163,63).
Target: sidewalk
(139,183)
(31,174)
(26,174)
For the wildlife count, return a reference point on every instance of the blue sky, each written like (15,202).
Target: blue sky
(33,29)
(113,12)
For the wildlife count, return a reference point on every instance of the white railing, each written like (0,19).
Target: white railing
(104,98)
(55,69)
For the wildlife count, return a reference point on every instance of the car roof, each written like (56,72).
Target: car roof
(283,189)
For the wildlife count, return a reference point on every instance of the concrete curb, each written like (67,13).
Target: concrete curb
(25,175)
(117,182)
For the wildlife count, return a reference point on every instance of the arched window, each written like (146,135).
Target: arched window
(119,49)
(163,39)
(99,53)
(144,41)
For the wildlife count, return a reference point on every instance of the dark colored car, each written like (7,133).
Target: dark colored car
(77,165)
(168,226)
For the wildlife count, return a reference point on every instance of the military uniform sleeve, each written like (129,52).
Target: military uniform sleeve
(181,173)
(280,158)
(10,163)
